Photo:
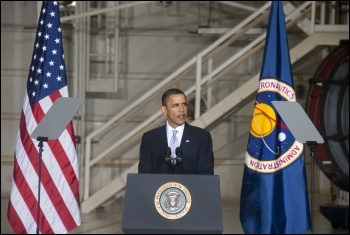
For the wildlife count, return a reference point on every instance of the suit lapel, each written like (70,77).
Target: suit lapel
(162,137)
(186,137)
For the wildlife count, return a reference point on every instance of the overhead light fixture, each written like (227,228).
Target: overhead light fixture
(166,3)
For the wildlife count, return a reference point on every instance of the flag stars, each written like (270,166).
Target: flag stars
(51,63)
(49,25)
(59,78)
(44,48)
(39,34)
(59,29)
(47,36)
(48,74)
(54,52)
(32,68)
(57,40)
(52,14)
(61,67)
(44,10)
(41,22)
(38,70)
(36,82)
(37,45)
(34,57)
(41,59)
(46,86)
(33,93)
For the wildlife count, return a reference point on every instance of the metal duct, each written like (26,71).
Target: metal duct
(328,108)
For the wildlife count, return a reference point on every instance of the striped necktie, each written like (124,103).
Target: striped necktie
(174,143)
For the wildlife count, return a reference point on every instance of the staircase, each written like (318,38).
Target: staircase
(315,36)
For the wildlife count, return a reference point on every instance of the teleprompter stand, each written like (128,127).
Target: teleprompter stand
(303,131)
(51,127)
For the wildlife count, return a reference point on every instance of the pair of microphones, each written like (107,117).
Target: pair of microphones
(176,160)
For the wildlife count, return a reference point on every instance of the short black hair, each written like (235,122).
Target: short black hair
(172,91)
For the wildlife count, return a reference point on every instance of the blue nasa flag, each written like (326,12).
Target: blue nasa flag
(274,195)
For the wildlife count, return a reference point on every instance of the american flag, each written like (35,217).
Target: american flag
(59,187)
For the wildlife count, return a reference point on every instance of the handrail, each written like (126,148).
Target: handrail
(89,162)
(173,77)
(242,52)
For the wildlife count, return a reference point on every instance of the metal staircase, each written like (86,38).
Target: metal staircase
(315,36)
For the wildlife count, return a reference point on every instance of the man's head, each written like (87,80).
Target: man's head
(174,106)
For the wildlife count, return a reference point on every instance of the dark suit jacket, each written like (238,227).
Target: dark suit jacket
(197,152)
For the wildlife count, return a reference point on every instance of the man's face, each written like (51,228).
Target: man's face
(176,110)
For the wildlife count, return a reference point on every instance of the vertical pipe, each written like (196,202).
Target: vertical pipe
(209,90)
(198,87)
(313,14)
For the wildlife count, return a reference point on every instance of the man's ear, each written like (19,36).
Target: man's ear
(163,109)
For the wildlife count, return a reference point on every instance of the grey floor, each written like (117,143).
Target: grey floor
(107,220)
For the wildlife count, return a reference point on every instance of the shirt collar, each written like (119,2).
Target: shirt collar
(169,130)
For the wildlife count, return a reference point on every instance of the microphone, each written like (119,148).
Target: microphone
(167,155)
(178,152)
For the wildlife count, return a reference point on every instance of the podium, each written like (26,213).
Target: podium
(172,203)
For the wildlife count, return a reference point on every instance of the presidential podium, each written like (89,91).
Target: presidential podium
(171,203)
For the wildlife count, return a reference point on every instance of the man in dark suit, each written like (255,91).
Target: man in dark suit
(194,149)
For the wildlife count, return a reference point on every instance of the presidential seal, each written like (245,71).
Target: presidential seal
(172,200)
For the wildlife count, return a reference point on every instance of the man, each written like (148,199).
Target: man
(193,147)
